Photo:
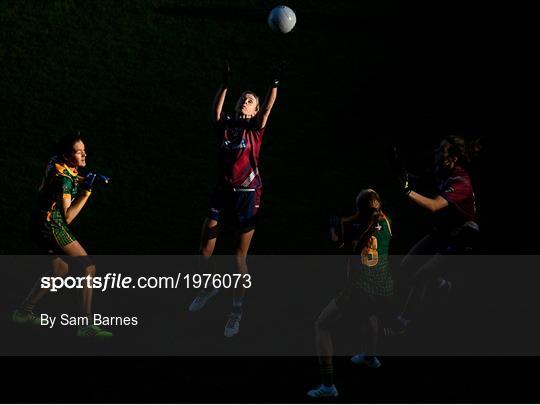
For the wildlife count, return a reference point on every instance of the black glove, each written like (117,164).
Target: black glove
(404,177)
(404,181)
(277,74)
(226,72)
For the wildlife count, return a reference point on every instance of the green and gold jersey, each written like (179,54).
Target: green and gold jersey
(59,182)
(369,268)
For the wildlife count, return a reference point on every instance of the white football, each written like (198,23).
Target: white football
(281,19)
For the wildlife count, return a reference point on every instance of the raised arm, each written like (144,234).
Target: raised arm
(271,96)
(219,99)
(431,204)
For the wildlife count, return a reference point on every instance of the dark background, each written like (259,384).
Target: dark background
(138,77)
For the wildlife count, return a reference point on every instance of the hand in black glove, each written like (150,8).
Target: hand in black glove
(404,177)
(404,181)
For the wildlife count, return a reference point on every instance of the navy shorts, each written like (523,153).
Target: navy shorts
(236,207)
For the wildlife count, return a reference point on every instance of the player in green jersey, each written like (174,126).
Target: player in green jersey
(62,196)
(365,236)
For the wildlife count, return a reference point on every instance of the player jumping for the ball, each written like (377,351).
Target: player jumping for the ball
(455,224)
(366,238)
(237,196)
(62,196)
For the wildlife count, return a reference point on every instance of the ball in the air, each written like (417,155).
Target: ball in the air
(281,19)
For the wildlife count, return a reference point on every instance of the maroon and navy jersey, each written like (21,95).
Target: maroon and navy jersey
(239,147)
(457,189)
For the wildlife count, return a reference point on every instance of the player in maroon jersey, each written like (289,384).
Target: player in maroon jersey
(237,195)
(455,228)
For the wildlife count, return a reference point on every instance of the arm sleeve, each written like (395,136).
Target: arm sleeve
(66,187)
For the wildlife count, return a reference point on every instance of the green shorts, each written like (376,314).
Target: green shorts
(52,233)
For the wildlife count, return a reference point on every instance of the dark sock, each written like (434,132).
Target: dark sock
(327,374)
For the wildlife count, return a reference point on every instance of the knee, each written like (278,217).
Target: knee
(90,270)
(60,271)
(241,262)
(206,250)
(320,325)
(63,272)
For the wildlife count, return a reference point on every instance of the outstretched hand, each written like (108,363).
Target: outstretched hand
(404,181)
(94,178)
(404,177)
(277,73)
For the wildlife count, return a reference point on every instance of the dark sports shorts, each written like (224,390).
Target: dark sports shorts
(236,207)
(460,241)
(50,238)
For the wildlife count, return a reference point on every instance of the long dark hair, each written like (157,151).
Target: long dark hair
(463,149)
(368,209)
(64,146)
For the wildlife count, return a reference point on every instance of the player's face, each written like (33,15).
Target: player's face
(247,105)
(78,156)
(443,159)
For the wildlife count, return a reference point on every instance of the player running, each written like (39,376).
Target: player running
(62,196)
(237,196)
(366,238)
(455,231)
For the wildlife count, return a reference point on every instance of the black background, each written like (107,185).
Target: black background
(436,68)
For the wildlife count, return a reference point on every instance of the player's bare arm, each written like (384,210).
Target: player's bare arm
(72,209)
(431,204)
(268,103)
(219,99)
(271,95)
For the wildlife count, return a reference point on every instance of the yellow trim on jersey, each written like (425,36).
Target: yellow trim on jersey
(388,223)
(66,196)
(61,167)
